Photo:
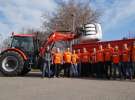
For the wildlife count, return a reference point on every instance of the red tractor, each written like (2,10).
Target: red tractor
(24,52)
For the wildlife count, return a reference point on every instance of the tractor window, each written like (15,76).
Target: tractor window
(23,43)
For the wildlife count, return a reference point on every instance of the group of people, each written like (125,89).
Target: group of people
(100,63)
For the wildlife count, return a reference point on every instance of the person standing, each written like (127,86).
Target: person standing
(116,62)
(74,70)
(100,62)
(57,60)
(108,61)
(67,62)
(93,62)
(79,62)
(46,71)
(85,57)
(133,58)
(127,69)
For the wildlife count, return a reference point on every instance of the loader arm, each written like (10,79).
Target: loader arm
(55,37)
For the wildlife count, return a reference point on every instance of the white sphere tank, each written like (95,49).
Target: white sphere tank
(93,32)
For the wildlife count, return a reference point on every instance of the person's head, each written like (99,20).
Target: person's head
(84,50)
(48,48)
(58,50)
(73,51)
(100,47)
(108,45)
(116,47)
(134,44)
(78,50)
(125,46)
(68,49)
(94,49)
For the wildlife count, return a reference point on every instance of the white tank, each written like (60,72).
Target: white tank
(93,32)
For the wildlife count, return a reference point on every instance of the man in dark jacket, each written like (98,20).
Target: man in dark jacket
(47,63)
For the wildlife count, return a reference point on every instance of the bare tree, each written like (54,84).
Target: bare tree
(6,43)
(69,15)
(40,35)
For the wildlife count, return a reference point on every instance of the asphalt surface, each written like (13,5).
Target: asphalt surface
(33,87)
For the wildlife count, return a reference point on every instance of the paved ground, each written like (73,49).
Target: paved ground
(32,87)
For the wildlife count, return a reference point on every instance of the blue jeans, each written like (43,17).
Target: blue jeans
(74,70)
(133,66)
(127,69)
(116,68)
(67,67)
(46,69)
(79,69)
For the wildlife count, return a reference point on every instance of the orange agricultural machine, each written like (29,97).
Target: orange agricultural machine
(24,52)
(90,45)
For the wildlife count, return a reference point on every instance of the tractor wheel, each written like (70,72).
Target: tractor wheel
(11,63)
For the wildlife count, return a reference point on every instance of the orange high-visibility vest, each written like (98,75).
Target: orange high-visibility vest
(133,54)
(85,56)
(74,58)
(108,54)
(93,57)
(100,56)
(126,55)
(116,57)
(67,57)
(57,59)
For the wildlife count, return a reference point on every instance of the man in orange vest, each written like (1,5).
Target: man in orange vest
(85,57)
(126,62)
(100,62)
(57,60)
(108,60)
(133,58)
(93,62)
(74,70)
(67,62)
(79,62)
(116,62)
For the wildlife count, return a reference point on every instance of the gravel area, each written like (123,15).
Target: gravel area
(33,87)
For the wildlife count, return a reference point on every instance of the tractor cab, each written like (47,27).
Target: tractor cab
(24,42)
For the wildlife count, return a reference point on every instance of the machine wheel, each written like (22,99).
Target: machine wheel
(11,63)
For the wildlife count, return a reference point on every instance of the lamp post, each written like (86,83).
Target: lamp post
(73,29)
(73,22)
(0,42)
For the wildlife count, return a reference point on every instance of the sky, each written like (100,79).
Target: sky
(117,20)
